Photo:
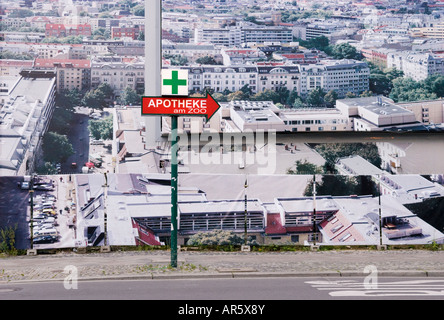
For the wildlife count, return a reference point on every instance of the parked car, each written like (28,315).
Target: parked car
(37,222)
(46,232)
(39,217)
(50,212)
(42,227)
(45,239)
(46,187)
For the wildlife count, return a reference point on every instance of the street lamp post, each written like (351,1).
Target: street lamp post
(245,211)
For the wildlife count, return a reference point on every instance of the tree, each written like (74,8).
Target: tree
(207,60)
(330,98)
(344,51)
(316,98)
(305,167)
(47,168)
(320,43)
(101,129)
(435,84)
(237,95)
(331,152)
(96,98)
(176,59)
(219,97)
(139,10)
(56,147)
(293,95)
(407,89)
(130,97)
(218,237)
(266,95)
(337,185)
(379,84)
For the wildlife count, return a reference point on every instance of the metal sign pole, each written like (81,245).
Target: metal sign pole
(174,149)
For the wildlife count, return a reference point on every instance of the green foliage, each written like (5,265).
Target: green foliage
(218,237)
(407,89)
(293,15)
(16,56)
(331,152)
(56,147)
(207,60)
(430,210)
(7,240)
(337,185)
(96,98)
(139,10)
(266,95)
(68,39)
(176,59)
(101,129)
(47,169)
(130,97)
(320,43)
(316,98)
(305,167)
(101,34)
(344,51)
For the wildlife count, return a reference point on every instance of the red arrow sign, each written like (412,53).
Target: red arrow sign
(180,106)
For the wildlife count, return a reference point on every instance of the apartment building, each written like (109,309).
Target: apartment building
(435,31)
(24,119)
(12,68)
(275,77)
(266,34)
(344,76)
(71,73)
(417,66)
(226,37)
(234,36)
(125,32)
(192,51)
(235,56)
(61,30)
(316,30)
(119,73)
(221,78)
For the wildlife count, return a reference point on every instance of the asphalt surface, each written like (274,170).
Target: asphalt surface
(206,264)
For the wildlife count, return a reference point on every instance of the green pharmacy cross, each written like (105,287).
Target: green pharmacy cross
(174,82)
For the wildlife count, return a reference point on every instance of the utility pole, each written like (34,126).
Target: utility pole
(174,149)
(245,211)
(379,210)
(314,209)
(105,216)
(31,194)
(153,65)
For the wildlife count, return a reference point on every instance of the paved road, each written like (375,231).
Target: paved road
(155,264)
(228,289)
(79,138)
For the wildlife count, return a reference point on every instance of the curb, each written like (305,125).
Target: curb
(239,275)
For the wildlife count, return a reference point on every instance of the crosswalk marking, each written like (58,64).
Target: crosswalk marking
(354,288)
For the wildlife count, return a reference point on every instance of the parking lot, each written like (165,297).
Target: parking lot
(54,215)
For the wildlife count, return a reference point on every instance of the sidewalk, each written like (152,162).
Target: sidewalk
(155,264)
